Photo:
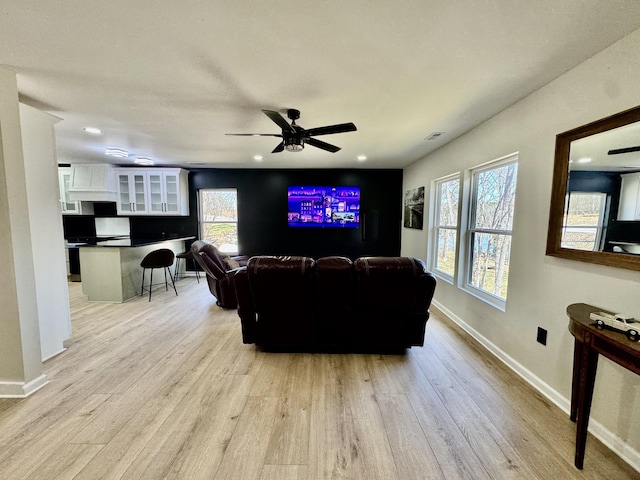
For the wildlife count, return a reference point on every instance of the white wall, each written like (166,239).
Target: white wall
(20,355)
(541,287)
(47,236)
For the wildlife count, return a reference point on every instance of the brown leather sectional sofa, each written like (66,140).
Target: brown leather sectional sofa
(333,303)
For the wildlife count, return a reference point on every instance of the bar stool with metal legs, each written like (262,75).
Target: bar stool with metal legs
(161,258)
(186,256)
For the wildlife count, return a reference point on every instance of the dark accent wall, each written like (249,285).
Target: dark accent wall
(609,183)
(604,182)
(262,211)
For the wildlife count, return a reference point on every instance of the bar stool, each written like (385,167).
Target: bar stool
(186,256)
(161,258)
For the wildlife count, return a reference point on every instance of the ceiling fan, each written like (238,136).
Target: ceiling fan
(294,136)
(618,151)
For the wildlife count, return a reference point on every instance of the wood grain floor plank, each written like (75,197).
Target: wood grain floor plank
(446,440)
(69,460)
(42,448)
(194,438)
(347,438)
(141,429)
(289,444)
(284,472)
(414,458)
(515,407)
(246,451)
(166,389)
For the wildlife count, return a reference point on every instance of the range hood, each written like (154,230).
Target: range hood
(93,182)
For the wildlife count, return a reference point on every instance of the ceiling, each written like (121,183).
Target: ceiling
(166,80)
(592,153)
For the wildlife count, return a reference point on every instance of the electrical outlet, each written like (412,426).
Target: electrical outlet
(542,336)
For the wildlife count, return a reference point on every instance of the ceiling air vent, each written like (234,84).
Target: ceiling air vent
(434,136)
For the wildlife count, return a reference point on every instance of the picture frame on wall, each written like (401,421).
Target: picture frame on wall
(414,208)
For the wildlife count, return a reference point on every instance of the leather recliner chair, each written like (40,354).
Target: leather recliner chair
(392,296)
(220,269)
(279,308)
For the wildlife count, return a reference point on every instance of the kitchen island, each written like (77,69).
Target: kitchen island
(111,269)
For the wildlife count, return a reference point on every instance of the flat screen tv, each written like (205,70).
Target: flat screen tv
(327,207)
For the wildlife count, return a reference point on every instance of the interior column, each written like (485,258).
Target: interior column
(21,370)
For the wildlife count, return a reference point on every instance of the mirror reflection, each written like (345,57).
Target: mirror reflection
(594,215)
(602,202)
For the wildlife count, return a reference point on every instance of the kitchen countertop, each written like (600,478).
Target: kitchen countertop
(138,242)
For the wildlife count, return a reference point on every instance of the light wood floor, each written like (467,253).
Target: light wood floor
(166,389)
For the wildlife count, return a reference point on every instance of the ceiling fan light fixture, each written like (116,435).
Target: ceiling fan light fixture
(293,147)
(293,144)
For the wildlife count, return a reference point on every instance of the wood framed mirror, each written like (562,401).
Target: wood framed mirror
(594,214)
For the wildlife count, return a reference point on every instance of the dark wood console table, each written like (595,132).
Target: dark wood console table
(590,341)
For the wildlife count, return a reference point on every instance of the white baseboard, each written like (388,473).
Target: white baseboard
(606,436)
(21,389)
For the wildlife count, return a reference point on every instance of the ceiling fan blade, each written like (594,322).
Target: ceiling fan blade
(255,134)
(320,144)
(624,150)
(340,128)
(279,148)
(279,120)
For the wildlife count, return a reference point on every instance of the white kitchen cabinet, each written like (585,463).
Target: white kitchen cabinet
(168,192)
(629,208)
(133,198)
(153,191)
(70,207)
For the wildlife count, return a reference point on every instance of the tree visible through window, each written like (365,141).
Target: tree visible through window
(446,226)
(584,220)
(491,220)
(218,210)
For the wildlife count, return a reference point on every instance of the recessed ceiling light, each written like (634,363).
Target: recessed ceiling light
(257,158)
(94,130)
(143,161)
(584,160)
(361,158)
(116,152)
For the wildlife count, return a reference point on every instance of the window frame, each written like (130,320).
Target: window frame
(202,223)
(469,231)
(436,227)
(601,227)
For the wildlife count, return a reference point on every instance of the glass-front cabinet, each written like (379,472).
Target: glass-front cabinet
(153,191)
(132,193)
(164,190)
(68,206)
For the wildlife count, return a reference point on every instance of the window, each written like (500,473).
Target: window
(583,223)
(492,200)
(218,215)
(445,231)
